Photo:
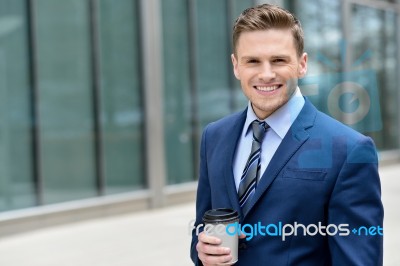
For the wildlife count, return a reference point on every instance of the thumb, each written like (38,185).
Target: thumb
(241,236)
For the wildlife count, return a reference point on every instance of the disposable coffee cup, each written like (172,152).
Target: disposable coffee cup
(215,223)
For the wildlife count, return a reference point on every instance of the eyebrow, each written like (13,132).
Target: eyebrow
(280,56)
(249,57)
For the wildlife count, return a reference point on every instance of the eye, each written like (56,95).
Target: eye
(279,60)
(252,61)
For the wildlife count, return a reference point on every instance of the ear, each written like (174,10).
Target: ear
(303,65)
(235,66)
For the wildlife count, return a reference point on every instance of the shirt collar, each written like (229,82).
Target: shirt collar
(282,119)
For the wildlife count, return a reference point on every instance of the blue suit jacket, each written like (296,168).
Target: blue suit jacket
(323,172)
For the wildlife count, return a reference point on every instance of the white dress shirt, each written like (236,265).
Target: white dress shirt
(280,121)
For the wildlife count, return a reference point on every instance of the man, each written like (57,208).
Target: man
(305,169)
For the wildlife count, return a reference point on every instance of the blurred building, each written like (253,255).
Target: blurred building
(102,102)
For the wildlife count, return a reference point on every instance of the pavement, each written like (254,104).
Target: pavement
(154,237)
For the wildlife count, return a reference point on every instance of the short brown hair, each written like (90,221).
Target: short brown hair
(265,17)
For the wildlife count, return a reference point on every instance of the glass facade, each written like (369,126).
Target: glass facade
(178,117)
(213,66)
(72,87)
(354,53)
(121,114)
(373,32)
(16,178)
(65,102)
(65,66)
(197,75)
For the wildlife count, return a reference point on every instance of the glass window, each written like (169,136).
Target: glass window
(355,79)
(16,180)
(65,99)
(240,99)
(214,62)
(322,39)
(177,92)
(121,111)
(239,6)
(325,45)
(213,76)
(374,51)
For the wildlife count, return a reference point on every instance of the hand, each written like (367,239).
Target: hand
(209,251)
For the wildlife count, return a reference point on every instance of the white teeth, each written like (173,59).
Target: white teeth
(272,88)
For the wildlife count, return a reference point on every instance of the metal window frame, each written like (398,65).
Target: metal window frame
(152,63)
(193,83)
(230,7)
(383,5)
(34,103)
(140,74)
(95,61)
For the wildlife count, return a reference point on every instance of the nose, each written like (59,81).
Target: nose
(266,73)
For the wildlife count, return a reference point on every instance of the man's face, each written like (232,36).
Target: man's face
(268,67)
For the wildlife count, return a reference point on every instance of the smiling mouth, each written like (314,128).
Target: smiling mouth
(267,88)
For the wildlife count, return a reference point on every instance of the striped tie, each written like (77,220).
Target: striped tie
(251,172)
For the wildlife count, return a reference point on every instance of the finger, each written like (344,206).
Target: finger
(212,249)
(209,239)
(209,260)
(241,236)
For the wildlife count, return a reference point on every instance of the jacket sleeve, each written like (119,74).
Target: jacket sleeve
(356,201)
(203,198)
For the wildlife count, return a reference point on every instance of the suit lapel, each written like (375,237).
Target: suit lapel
(293,140)
(233,135)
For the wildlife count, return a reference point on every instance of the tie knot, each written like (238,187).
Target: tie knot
(259,128)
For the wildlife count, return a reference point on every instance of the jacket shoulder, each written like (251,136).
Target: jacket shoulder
(227,121)
(331,126)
